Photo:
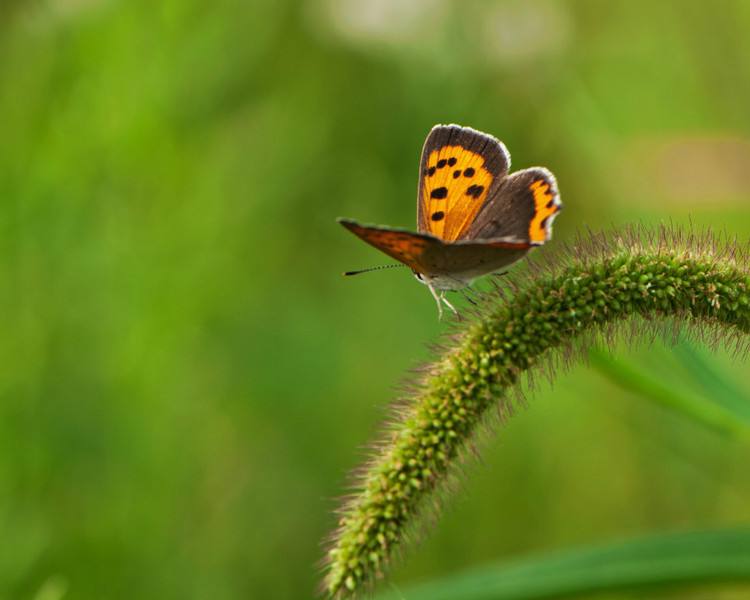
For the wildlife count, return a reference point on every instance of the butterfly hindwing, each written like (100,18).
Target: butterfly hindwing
(460,169)
(523,208)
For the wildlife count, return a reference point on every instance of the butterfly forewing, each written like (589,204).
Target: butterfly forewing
(406,247)
(460,169)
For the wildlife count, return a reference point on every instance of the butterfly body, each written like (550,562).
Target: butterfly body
(473,218)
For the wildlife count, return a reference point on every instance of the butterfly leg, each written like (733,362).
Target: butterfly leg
(449,305)
(437,299)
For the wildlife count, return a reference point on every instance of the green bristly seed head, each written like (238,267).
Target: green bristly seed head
(637,276)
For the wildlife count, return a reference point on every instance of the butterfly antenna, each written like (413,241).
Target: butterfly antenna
(381,267)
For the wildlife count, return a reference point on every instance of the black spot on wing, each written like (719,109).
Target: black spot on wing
(474,191)
(469,172)
(438,216)
(439,193)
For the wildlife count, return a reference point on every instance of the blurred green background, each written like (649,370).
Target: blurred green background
(185,377)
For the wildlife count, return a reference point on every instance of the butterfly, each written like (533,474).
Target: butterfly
(473,217)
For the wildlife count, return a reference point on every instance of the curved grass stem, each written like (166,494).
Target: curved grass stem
(647,279)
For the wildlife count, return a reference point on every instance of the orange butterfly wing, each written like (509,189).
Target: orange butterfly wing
(460,169)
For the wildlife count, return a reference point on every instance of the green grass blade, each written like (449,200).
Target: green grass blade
(717,417)
(675,559)
(718,387)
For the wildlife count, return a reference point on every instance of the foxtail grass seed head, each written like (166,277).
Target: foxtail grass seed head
(636,282)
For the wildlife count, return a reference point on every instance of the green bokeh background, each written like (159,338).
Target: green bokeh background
(185,377)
